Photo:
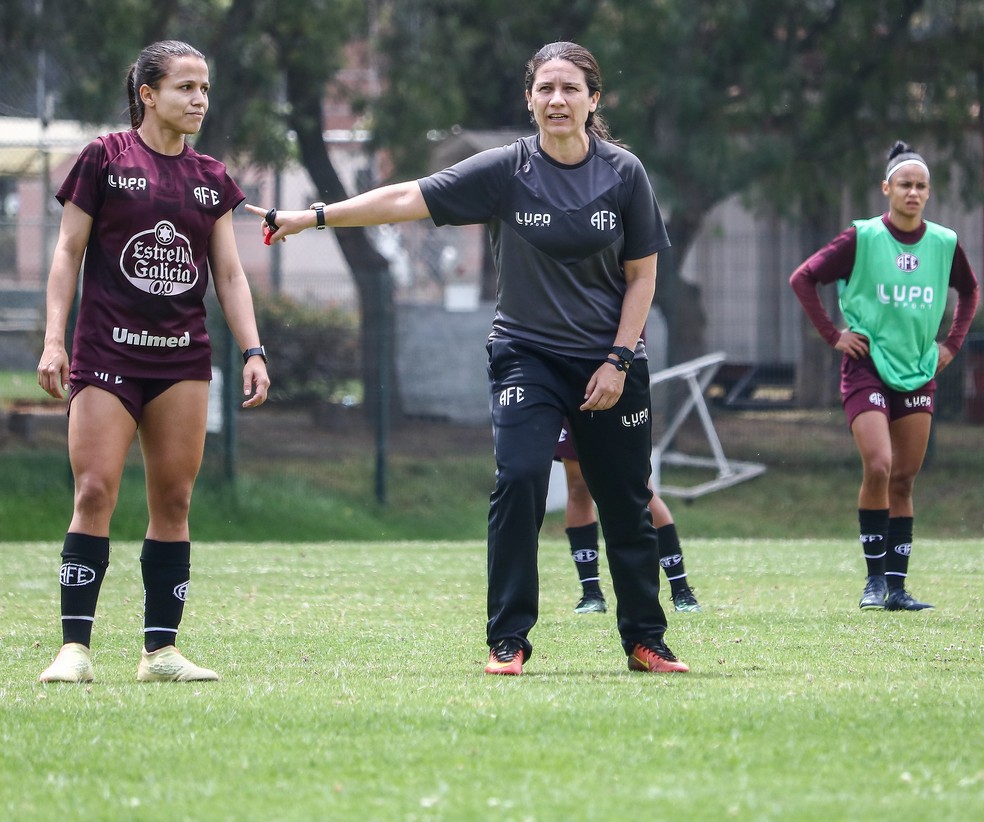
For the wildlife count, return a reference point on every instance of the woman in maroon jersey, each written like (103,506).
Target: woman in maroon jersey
(148,217)
(893,273)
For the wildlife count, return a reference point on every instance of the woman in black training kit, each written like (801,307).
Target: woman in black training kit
(575,230)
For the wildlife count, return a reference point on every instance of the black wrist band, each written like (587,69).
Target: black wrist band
(319,215)
(620,364)
(255,352)
(623,353)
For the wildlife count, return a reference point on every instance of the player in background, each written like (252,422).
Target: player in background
(575,231)
(150,217)
(893,273)
(581,526)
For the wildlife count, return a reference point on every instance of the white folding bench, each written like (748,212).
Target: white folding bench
(697,374)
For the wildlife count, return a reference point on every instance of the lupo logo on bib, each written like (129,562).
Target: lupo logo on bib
(159,261)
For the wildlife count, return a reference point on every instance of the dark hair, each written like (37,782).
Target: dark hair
(584,60)
(899,154)
(150,68)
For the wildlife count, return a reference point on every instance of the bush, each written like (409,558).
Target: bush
(314,350)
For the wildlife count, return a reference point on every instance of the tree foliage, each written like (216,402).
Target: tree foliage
(452,63)
(784,101)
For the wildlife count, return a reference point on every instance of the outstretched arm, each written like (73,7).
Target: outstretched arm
(397,203)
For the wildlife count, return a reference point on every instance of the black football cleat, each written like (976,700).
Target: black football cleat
(902,600)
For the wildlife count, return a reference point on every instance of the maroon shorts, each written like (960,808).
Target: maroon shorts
(133,392)
(863,390)
(565,449)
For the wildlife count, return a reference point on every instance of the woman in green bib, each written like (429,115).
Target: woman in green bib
(893,273)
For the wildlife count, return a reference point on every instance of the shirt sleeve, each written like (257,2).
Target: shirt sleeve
(233,193)
(645,231)
(964,282)
(85,185)
(467,192)
(833,262)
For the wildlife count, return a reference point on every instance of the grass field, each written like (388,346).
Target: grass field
(353,690)
(300,482)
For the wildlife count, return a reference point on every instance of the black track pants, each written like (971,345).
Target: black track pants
(532,391)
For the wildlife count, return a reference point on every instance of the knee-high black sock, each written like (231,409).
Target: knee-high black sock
(84,562)
(584,549)
(671,557)
(873,523)
(899,548)
(166,569)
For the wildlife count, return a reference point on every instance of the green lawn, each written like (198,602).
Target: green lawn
(353,690)
(19,385)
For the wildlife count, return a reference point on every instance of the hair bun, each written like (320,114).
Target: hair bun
(899,148)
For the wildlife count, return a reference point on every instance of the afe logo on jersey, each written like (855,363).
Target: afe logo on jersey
(159,261)
(208,197)
(907,262)
(603,220)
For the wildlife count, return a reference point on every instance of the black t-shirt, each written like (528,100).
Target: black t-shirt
(559,233)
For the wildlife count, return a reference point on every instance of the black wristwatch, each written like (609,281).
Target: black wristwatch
(254,352)
(319,213)
(623,355)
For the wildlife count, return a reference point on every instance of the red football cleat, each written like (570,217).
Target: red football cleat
(506,658)
(655,659)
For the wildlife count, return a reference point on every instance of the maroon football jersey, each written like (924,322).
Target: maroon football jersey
(145,275)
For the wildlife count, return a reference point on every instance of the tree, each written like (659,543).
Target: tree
(450,64)
(283,54)
(455,62)
(718,98)
(784,100)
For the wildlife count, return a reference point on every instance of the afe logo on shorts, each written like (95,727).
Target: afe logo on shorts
(73,575)
(159,261)
(508,395)
(877,399)
(181,591)
(907,262)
